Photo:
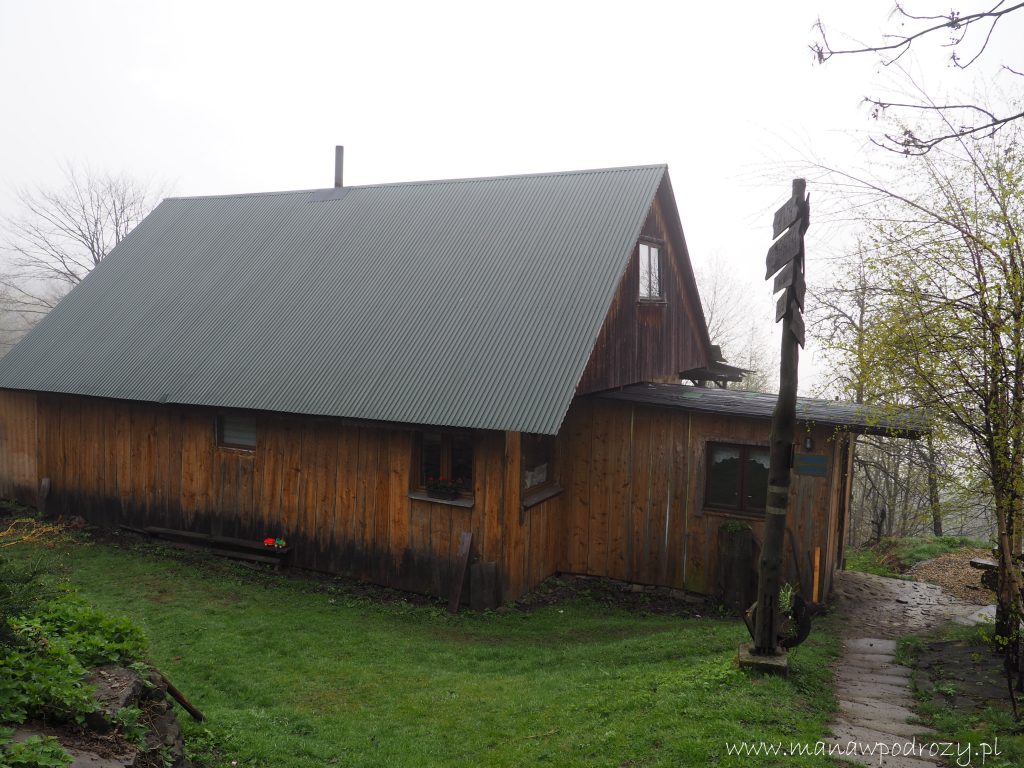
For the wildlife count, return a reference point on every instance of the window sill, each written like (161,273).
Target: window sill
(743,514)
(659,302)
(535,497)
(237,450)
(465,502)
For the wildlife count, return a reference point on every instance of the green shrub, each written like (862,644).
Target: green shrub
(33,752)
(42,681)
(41,671)
(91,636)
(128,721)
(21,590)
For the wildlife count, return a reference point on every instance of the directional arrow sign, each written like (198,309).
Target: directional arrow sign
(800,289)
(791,276)
(781,306)
(785,248)
(796,325)
(784,279)
(786,215)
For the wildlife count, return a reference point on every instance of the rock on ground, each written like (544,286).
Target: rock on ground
(100,744)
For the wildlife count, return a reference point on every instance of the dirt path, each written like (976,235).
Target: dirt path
(875,702)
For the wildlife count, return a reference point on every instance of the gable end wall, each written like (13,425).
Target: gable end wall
(650,341)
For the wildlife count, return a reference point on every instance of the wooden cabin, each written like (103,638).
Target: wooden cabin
(371,372)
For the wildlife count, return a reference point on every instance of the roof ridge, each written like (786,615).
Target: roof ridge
(462,180)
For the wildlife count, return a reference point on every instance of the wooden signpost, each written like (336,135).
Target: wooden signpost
(785,257)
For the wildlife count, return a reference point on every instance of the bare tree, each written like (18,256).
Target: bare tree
(745,339)
(897,483)
(756,353)
(968,36)
(59,235)
(723,299)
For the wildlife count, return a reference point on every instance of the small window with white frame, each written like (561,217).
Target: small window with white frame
(650,271)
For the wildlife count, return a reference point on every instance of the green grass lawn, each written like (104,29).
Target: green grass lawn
(294,672)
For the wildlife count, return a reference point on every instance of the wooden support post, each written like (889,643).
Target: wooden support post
(787,250)
(461,561)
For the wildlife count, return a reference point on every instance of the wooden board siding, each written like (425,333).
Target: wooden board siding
(534,537)
(649,341)
(631,508)
(338,492)
(629,474)
(636,507)
(18,476)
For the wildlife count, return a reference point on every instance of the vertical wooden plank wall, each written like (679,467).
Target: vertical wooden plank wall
(339,493)
(635,496)
(18,476)
(649,340)
(625,512)
(534,536)
(632,505)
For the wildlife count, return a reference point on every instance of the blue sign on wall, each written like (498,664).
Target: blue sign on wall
(810,464)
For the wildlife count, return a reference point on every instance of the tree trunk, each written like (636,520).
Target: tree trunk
(933,488)
(1009,608)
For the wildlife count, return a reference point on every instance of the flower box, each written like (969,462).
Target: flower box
(442,488)
(443,494)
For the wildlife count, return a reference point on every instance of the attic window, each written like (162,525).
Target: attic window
(234,431)
(650,271)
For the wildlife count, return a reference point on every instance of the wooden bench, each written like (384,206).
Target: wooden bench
(984,565)
(224,546)
(989,571)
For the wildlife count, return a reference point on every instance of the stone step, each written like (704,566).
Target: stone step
(856,676)
(870,645)
(869,738)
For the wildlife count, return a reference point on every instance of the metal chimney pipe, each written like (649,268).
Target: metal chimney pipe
(339,165)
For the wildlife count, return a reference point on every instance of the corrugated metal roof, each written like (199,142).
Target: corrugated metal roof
(470,303)
(864,419)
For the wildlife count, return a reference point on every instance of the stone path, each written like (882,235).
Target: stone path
(875,702)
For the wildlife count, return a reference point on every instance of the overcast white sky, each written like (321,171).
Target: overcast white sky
(218,97)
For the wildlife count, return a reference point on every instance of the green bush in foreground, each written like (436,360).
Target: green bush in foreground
(21,590)
(92,637)
(42,682)
(41,671)
(33,752)
(47,644)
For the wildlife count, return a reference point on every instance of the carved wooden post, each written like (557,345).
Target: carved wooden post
(787,255)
